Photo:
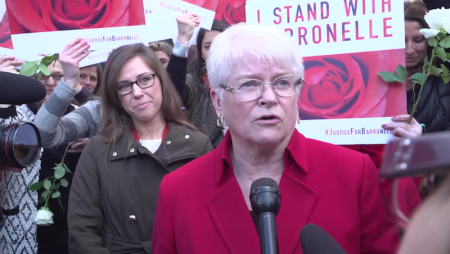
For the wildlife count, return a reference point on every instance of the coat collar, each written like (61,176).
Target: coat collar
(230,213)
(178,144)
(296,153)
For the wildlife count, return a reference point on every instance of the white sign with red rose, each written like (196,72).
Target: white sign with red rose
(344,44)
(38,27)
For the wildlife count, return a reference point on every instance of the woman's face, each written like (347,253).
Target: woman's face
(88,78)
(416,45)
(207,41)
(268,120)
(163,58)
(142,104)
(50,82)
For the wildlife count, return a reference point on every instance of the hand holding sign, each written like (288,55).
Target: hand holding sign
(402,129)
(70,59)
(186,24)
(9,63)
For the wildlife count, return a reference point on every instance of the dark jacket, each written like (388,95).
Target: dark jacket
(195,96)
(112,202)
(434,106)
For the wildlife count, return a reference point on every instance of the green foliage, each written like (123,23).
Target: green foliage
(440,52)
(52,184)
(36,186)
(432,42)
(29,68)
(60,171)
(445,43)
(387,76)
(401,72)
(391,77)
(64,182)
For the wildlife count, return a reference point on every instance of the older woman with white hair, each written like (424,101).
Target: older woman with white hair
(204,207)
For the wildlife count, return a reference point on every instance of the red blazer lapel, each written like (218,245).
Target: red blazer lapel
(297,201)
(232,218)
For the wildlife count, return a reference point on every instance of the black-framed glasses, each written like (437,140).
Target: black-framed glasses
(146,81)
(252,89)
(55,77)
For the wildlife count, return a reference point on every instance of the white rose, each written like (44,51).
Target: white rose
(44,217)
(436,19)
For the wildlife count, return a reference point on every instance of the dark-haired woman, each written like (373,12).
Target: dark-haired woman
(142,137)
(194,87)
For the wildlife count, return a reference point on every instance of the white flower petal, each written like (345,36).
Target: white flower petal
(429,33)
(43,217)
(447,30)
(438,18)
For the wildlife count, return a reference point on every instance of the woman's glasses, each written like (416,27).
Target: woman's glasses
(252,89)
(146,81)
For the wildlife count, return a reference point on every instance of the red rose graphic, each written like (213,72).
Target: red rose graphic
(232,11)
(207,4)
(55,15)
(5,34)
(348,86)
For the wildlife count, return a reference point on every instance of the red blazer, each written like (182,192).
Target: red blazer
(201,209)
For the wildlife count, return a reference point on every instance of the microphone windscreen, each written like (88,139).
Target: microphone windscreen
(18,89)
(315,240)
(265,181)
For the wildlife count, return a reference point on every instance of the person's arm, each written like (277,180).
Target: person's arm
(84,96)
(163,241)
(84,218)
(177,70)
(57,130)
(378,233)
(177,67)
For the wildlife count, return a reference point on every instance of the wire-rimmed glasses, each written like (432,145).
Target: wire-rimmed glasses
(252,89)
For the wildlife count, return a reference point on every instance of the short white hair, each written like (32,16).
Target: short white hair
(243,40)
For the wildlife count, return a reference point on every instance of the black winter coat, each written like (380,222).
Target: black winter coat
(434,106)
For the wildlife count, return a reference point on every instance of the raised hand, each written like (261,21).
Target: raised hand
(186,24)
(70,59)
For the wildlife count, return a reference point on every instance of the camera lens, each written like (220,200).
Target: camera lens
(20,144)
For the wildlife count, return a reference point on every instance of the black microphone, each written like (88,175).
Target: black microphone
(315,240)
(18,89)
(265,198)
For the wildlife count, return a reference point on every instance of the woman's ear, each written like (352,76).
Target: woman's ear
(215,97)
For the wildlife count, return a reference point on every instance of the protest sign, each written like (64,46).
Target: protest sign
(173,8)
(344,45)
(38,27)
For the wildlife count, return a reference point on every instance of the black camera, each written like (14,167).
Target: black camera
(20,144)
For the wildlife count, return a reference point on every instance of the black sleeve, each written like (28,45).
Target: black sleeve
(83,96)
(177,69)
(8,112)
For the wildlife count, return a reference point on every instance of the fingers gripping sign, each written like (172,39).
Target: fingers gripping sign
(186,24)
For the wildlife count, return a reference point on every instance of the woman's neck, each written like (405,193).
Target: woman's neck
(251,164)
(152,129)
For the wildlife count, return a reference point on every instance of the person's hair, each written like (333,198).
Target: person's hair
(242,41)
(161,46)
(415,11)
(196,67)
(99,70)
(113,117)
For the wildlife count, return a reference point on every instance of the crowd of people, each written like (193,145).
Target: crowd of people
(164,142)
